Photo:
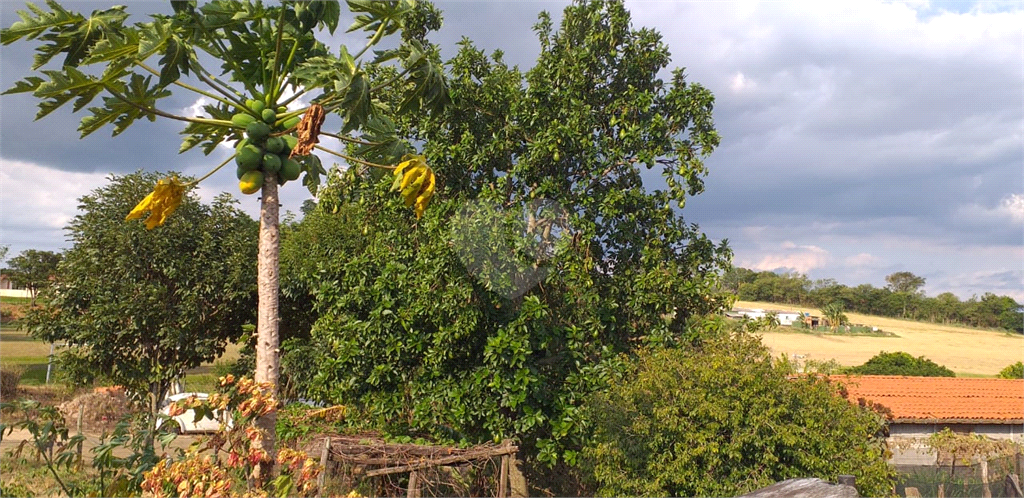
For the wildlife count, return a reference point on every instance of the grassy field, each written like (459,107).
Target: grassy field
(20,350)
(968,352)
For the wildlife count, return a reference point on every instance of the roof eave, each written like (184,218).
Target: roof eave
(992,421)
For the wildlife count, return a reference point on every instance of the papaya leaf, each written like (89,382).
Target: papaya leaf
(100,24)
(385,147)
(429,89)
(138,96)
(64,86)
(208,135)
(32,27)
(29,84)
(325,72)
(117,48)
(356,103)
(377,12)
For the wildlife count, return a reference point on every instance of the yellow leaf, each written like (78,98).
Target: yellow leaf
(415,181)
(165,198)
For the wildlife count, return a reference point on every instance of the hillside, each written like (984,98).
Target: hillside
(966,351)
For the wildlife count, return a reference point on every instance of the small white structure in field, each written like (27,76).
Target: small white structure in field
(785,317)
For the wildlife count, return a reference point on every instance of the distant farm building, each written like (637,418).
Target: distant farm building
(7,288)
(785,317)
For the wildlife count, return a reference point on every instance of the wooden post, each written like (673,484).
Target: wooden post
(324,459)
(503,478)
(942,491)
(986,491)
(1012,486)
(516,480)
(81,412)
(414,485)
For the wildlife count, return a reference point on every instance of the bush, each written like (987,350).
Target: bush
(10,377)
(726,419)
(900,363)
(1015,371)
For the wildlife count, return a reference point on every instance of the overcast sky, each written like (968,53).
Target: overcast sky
(859,138)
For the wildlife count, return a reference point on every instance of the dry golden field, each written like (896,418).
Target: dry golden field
(966,351)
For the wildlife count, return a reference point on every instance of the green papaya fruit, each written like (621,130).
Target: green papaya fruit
(257,132)
(275,145)
(242,119)
(271,163)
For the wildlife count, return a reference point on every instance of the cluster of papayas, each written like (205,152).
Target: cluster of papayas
(263,152)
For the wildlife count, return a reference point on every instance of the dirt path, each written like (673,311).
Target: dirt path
(92,439)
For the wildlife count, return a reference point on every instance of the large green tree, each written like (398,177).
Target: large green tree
(724,419)
(253,63)
(906,285)
(545,258)
(33,270)
(140,307)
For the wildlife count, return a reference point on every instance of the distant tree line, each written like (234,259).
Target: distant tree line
(901,298)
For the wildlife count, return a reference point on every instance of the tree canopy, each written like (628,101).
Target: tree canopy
(1014,371)
(140,307)
(900,363)
(33,270)
(544,258)
(726,418)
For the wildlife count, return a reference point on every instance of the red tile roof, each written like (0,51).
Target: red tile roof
(940,399)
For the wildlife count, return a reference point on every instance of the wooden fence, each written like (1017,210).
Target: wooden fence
(360,457)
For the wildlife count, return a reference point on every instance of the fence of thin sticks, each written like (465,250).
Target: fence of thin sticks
(414,470)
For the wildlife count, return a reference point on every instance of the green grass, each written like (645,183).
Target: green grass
(17,300)
(822,330)
(975,376)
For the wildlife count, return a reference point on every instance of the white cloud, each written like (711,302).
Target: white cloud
(789,256)
(741,83)
(1009,212)
(37,202)
(862,259)
(196,109)
(1013,207)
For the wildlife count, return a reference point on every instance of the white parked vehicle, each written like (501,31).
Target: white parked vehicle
(186,423)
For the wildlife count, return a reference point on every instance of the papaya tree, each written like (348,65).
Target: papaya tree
(257,66)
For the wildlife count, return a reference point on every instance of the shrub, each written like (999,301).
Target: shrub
(900,363)
(10,377)
(1015,371)
(723,420)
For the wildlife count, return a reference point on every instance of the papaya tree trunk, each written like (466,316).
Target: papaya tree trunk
(268,285)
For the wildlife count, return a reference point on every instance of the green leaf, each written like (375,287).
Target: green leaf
(159,37)
(29,84)
(138,96)
(67,85)
(326,72)
(429,88)
(209,135)
(123,48)
(32,27)
(385,146)
(377,12)
(356,104)
(318,13)
(100,24)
